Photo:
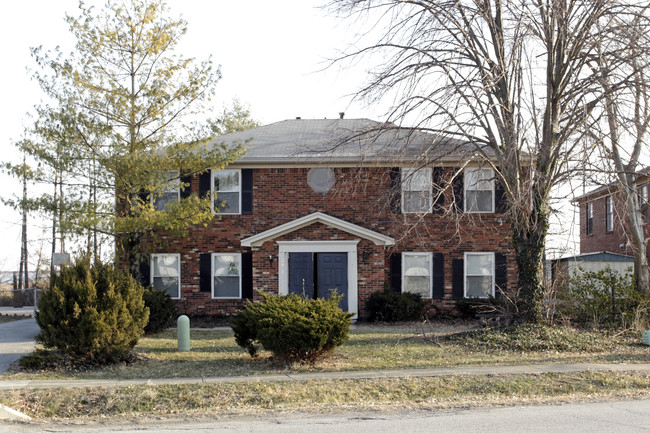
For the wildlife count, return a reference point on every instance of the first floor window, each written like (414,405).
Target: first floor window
(609,213)
(166,274)
(590,218)
(416,190)
(226,276)
(479,275)
(226,188)
(416,273)
(479,190)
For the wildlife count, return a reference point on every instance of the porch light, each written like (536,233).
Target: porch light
(271,258)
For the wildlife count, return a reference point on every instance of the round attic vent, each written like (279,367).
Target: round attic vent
(321,180)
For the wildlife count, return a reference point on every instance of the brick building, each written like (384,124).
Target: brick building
(318,205)
(603,220)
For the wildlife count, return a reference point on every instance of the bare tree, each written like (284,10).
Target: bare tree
(624,88)
(508,76)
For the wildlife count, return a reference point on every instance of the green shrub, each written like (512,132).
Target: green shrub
(92,312)
(390,306)
(603,298)
(470,307)
(291,327)
(162,310)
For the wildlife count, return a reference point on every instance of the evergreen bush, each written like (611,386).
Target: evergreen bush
(291,327)
(93,313)
(162,310)
(391,306)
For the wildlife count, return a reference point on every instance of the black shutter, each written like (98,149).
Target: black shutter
(457,279)
(396,272)
(187,191)
(395,190)
(500,273)
(144,276)
(438,277)
(458,187)
(205,277)
(204,183)
(500,203)
(247,275)
(246,191)
(438,189)
(144,197)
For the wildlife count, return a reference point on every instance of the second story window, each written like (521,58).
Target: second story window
(170,193)
(479,190)
(590,218)
(226,188)
(416,190)
(609,213)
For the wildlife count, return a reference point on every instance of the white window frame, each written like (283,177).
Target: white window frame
(466,188)
(465,274)
(590,216)
(175,182)
(417,254)
(152,267)
(212,275)
(406,174)
(216,193)
(609,213)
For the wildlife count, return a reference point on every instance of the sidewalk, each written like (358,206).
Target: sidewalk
(333,375)
(22,311)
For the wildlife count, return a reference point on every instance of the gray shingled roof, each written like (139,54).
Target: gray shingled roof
(342,141)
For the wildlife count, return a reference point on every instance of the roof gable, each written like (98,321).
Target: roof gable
(317,217)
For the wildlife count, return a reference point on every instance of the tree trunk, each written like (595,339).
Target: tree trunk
(528,239)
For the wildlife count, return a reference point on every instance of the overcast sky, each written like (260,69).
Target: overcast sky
(272,56)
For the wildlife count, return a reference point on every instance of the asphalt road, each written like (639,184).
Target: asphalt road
(16,340)
(612,416)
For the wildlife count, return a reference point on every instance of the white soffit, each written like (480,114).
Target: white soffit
(317,217)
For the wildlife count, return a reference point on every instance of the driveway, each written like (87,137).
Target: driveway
(16,340)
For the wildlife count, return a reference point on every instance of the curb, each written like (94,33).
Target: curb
(9,413)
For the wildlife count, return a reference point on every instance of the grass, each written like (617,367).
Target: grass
(214,353)
(315,395)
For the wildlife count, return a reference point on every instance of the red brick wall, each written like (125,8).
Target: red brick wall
(360,197)
(600,240)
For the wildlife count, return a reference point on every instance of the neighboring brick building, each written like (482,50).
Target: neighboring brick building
(603,220)
(309,209)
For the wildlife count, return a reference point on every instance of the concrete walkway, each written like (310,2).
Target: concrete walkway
(334,375)
(16,340)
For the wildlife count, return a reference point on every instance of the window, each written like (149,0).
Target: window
(590,218)
(166,272)
(416,190)
(479,190)
(479,275)
(643,192)
(226,276)
(170,193)
(226,188)
(416,273)
(609,213)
